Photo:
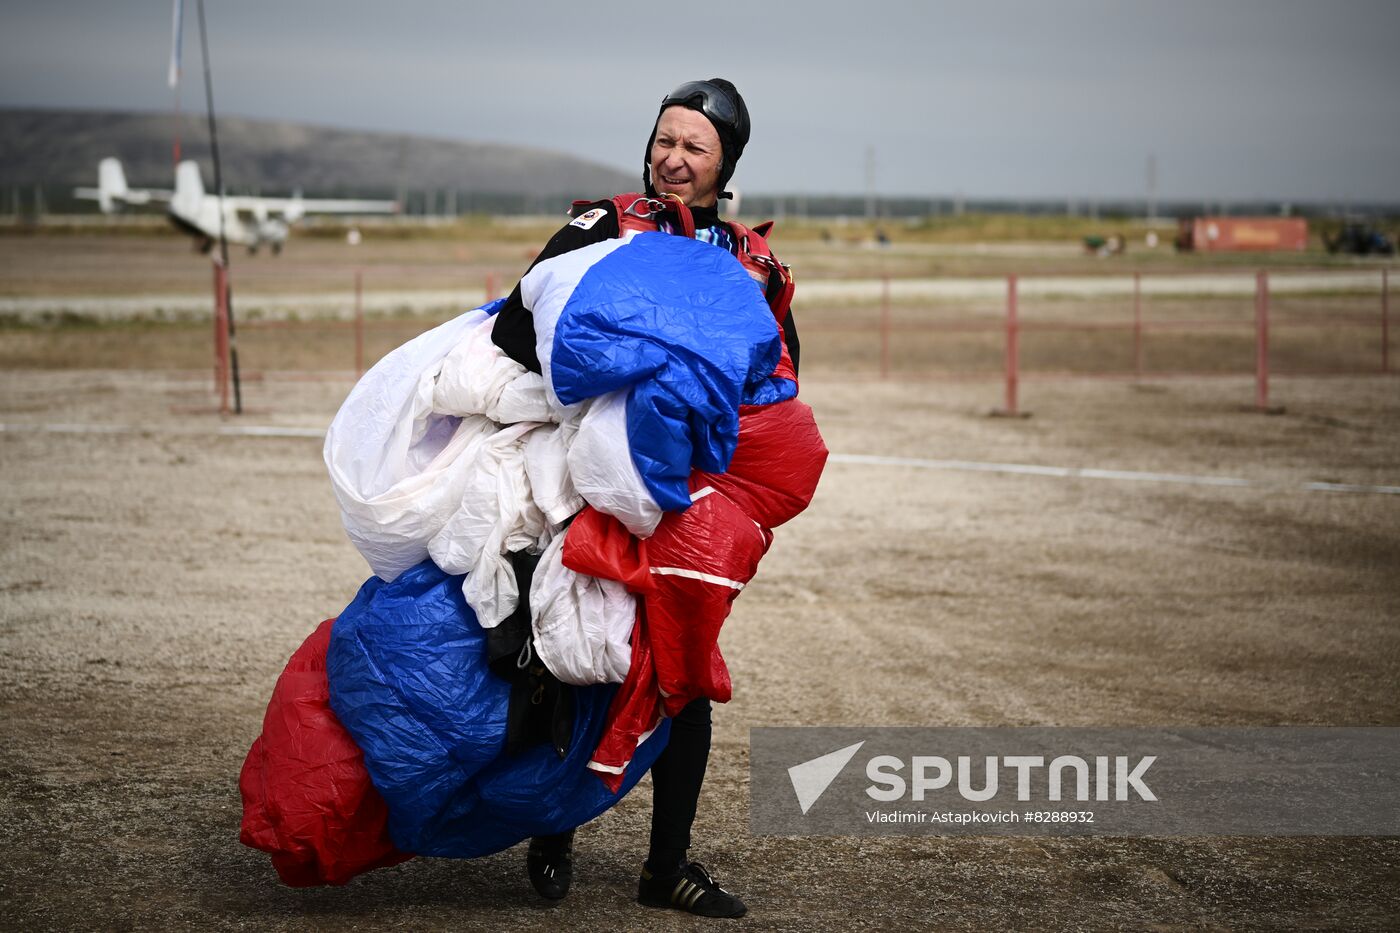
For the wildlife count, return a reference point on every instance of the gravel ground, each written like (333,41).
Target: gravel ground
(153,583)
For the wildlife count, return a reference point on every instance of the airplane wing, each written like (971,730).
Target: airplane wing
(311,205)
(130,196)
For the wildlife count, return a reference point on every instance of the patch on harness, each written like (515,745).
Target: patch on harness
(586,221)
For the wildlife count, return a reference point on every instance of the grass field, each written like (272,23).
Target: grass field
(156,575)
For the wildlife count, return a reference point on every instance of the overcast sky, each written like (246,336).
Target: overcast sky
(1022,98)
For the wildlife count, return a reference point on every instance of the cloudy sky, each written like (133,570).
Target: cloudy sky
(1236,99)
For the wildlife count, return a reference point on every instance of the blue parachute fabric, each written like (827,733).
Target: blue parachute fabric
(771,391)
(409,680)
(681,323)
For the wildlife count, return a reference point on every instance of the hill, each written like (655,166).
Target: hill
(62,147)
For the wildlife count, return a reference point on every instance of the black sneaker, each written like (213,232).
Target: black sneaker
(690,889)
(550,861)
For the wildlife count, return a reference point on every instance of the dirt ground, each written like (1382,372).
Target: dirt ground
(155,576)
(155,582)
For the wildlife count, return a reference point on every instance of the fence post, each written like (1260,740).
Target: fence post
(359,324)
(1013,349)
(221,354)
(884,327)
(1261,341)
(1385,320)
(490,287)
(1137,325)
(218,315)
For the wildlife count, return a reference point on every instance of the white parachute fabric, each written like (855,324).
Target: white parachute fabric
(402,451)
(546,466)
(495,516)
(450,450)
(477,379)
(582,625)
(600,462)
(394,460)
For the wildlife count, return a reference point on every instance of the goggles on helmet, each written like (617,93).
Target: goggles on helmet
(714,103)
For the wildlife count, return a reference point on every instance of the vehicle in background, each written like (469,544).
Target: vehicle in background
(1112,245)
(1242,234)
(248,221)
(1359,239)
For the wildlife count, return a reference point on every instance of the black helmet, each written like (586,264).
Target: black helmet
(723,106)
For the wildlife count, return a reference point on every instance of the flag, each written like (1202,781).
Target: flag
(176,33)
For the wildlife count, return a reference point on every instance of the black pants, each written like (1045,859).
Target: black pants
(675,784)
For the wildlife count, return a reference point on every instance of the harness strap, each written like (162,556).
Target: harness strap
(651,209)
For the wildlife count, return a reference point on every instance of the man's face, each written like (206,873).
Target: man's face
(685,159)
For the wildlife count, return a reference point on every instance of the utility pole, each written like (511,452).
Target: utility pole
(1152,187)
(870,183)
(401,170)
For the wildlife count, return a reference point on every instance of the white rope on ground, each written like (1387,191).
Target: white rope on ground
(1024,468)
(1089,473)
(967,466)
(247,430)
(1350,487)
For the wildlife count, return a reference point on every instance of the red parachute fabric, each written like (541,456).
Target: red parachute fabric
(697,561)
(776,465)
(307,798)
(599,545)
(701,559)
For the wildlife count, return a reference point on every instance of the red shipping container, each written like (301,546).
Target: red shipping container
(1241,234)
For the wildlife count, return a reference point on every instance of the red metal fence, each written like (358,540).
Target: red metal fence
(1137,323)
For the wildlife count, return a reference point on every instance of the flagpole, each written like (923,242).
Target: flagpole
(219,188)
(175,146)
(177,36)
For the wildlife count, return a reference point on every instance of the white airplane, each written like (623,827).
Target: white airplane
(196,212)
